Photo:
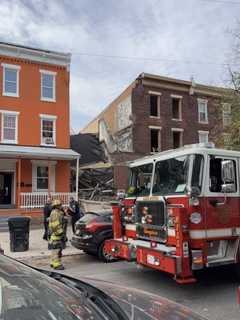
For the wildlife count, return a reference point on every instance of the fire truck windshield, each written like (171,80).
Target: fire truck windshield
(140,180)
(171,176)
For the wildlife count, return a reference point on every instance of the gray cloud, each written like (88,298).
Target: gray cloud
(186,38)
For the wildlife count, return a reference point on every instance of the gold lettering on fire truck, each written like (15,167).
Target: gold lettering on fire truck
(150,232)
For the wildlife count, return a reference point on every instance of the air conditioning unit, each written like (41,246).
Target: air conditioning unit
(48,140)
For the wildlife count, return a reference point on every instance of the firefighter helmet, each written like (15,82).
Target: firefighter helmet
(56,202)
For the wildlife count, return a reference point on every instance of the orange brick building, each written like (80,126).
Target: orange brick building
(35,149)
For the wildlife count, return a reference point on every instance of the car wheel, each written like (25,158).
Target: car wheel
(103,255)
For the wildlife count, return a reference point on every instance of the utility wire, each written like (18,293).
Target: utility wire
(148,59)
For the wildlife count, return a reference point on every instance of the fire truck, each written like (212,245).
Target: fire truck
(181,212)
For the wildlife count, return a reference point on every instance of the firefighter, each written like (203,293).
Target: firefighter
(56,228)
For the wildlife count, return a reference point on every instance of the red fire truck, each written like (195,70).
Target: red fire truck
(181,212)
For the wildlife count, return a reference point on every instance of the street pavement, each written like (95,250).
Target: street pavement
(213,296)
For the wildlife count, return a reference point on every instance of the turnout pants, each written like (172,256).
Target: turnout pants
(56,255)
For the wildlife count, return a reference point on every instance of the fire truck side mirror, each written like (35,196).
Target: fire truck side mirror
(228,173)
(193,192)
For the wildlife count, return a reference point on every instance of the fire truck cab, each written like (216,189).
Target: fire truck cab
(181,212)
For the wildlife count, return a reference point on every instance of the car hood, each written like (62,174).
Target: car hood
(142,305)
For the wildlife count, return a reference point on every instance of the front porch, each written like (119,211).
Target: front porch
(29,175)
(37,200)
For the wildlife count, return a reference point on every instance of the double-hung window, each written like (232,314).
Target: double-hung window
(48,85)
(10,80)
(227,119)
(203,136)
(42,178)
(9,127)
(48,129)
(202,111)
(43,175)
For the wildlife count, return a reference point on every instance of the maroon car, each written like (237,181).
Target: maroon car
(29,294)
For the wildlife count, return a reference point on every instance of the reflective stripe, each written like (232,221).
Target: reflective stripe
(171,232)
(130,227)
(214,233)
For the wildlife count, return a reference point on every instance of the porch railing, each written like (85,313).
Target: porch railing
(35,200)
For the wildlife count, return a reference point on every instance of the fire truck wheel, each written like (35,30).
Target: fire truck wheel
(103,255)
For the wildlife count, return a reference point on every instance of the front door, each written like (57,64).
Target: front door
(222,210)
(5,188)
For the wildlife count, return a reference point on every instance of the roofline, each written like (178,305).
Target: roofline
(35,54)
(145,75)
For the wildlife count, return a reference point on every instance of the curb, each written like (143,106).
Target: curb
(46,256)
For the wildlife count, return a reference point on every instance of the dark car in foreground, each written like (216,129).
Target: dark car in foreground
(91,231)
(27,293)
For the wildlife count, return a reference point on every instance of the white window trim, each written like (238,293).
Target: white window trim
(203,132)
(158,94)
(177,129)
(155,127)
(39,163)
(54,85)
(205,101)
(12,113)
(53,119)
(48,116)
(14,67)
(175,96)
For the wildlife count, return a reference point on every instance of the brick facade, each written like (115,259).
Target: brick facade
(166,89)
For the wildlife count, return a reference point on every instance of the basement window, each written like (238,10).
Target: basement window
(155,140)
(176,108)
(154,105)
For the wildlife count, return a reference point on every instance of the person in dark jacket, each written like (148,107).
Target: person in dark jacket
(74,212)
(46,214)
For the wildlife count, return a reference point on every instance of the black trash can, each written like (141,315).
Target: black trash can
(19,233)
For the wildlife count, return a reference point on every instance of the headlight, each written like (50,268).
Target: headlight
(87,236)
(195,218)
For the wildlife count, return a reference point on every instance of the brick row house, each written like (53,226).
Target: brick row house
(35,152)
(157,113)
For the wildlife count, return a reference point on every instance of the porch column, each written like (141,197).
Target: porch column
(77,177)
(49,179)
(19,183)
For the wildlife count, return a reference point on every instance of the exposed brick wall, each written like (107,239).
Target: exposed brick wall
(190,124)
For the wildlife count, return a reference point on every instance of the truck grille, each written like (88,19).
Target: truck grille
(151,220)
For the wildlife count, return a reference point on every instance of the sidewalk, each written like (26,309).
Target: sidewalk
(38,248)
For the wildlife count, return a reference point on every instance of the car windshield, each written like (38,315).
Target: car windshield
(140,180)
(28,294)
(171,176)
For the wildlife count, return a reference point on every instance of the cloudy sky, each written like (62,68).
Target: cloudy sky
(113,41)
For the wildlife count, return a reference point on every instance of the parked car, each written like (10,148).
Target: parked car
(91,231)
(29,294)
